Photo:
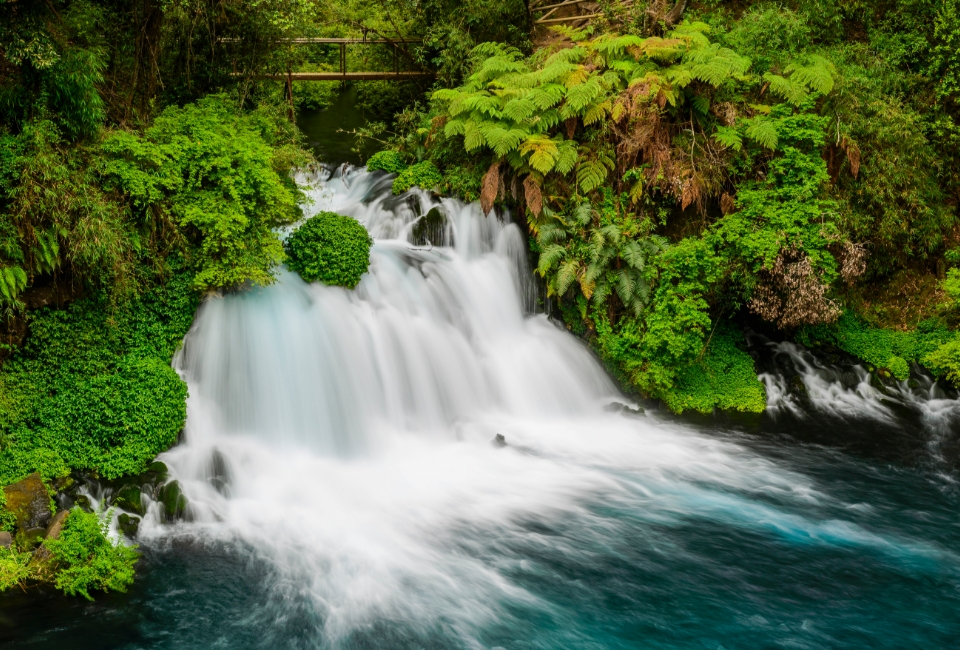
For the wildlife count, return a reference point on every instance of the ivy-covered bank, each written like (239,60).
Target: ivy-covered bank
(774,163)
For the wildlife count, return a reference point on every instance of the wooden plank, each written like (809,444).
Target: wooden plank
(346,76)
(567,19)
(368,41)
(562,4)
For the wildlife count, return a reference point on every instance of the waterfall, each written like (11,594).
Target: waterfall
(343,439)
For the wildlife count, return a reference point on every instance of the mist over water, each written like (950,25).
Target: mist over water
(345,492)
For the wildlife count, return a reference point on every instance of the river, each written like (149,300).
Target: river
(345,491)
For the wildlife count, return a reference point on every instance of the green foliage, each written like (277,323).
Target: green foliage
(931,344)
(391,162)
(87,560)
(723,378)
(93,389)
(8,520)
(330,248)
(424,175)
(15,569)
(223,178)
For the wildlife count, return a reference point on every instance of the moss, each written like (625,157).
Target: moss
(929,344)
(424,175)
(391,162)
(723,379)
(330,248)
(92,387)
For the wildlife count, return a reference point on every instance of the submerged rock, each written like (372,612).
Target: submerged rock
(499,441)
(29,502)
(218,472)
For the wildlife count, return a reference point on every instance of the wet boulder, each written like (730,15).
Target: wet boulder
(129,499)
(218,472)
(128,525)
(29,502)
(173,501)
(53,532)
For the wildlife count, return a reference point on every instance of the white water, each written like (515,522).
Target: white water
(353,430)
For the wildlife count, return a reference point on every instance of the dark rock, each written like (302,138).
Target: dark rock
(130,499)
(156,467)
(913,383)
(128,524)
(53,532)
(29,502)
(499,441)
(430,229)
(218,472)
(173,500)
(83,502)
(797,387)
(6,539)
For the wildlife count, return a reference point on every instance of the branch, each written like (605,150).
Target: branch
(676,12)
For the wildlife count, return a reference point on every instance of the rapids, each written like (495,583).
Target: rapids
(344,491)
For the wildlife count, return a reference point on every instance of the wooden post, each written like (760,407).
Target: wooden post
(293,113)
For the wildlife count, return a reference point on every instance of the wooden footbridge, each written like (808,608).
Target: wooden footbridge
(397,45)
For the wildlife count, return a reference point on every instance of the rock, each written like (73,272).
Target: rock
(56,525)
(429,230)
(6,539)
(83,502)
(499,441)
(218,472)
(52,532)
(157,467)
(913,383)
(29,502)
(130,499)
(128,524)
(174,503)
(797,387)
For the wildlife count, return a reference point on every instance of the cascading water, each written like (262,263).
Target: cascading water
(344,491)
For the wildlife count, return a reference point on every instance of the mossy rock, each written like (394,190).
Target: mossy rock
(173,500)
(129,498)
(29,502)
(128,524)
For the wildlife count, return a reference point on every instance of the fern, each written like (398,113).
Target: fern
(762,130)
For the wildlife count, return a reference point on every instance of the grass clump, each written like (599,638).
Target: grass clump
(330,248)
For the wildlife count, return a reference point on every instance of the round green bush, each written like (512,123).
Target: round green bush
(330,248)
(389,161)
(424,175)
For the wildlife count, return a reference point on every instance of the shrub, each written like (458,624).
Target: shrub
(87,559)
(14,567)
(424,175)
(330,248)
(93,389)
(389,161)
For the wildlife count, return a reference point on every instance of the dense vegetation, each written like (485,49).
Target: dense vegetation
(329,248)
(780,164)
(683,169)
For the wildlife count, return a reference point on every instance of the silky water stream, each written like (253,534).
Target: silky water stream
(345,493)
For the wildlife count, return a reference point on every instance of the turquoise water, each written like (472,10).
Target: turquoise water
(830,523)
(872,561)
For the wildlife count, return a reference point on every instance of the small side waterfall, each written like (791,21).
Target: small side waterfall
(341,442)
